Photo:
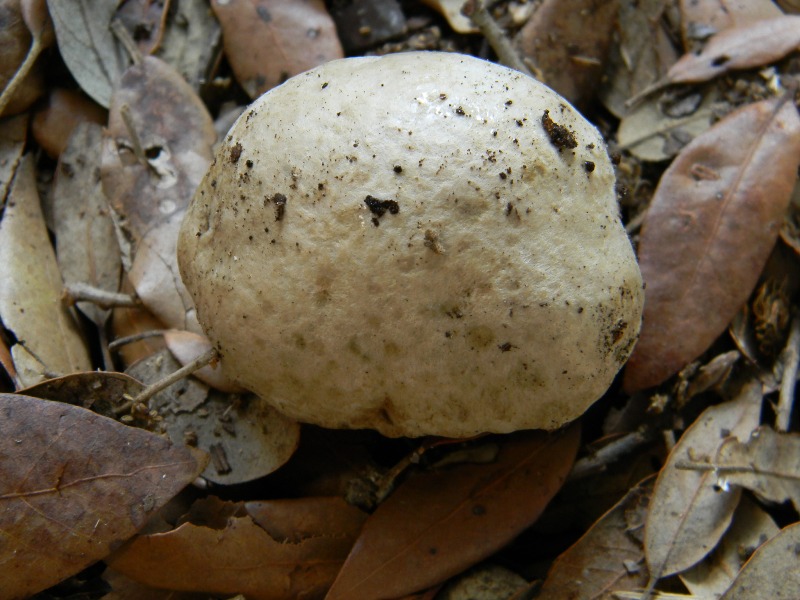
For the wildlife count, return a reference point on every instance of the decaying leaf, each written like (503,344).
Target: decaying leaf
(608,558)
(772,571)
(75,485)
(724,198)
(101,391)
(267,551)
(568,41)
(743,47)
(688,513)
(85,41)
(703,18)
(363,24)
(54,122)
(438,523)
(451,10)
(268,41)
(751,527)
(15,40)
(768,464)
(48,339)
(86,241)
(12,143)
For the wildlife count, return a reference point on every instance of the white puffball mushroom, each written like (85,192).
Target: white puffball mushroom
(422,244)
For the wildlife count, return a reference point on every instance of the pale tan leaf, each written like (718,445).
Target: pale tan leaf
(688,512)
(187,346)
(451,10)
(86,242)
(767,464)
(772,571)
(700,18)
(12,143)
(85,40)
(30,289)
(751,527)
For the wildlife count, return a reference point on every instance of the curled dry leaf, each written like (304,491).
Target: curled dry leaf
(30,289)
(228,548)
(86,241)
(12,143)
(439,523)
(157,148)
(568,41)
(608,558)
(65,108)
(87,45)
(688,514)
(743,47)
(15,40)
(701,18)
(186,346)
(751,527)
(75,486)
(268,41)
(451,10)
(724,198)
(767,464)
(772,571)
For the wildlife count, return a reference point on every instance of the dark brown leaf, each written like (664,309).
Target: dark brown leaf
(568,41)
(710,228)
(224,549)
(75,485)
(54,122)
(100,391)
(268,41)
(438,523)
(744,47)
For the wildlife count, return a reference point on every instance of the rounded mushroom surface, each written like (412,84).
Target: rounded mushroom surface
(422,244)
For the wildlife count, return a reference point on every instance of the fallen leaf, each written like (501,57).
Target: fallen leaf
(15,40)
(37,20)
(49,340)
(12,143)
(363,24)
(751,527)
(772,571)
(268,41)
(65,108)
(436,524)
(742,47)
(703,18)
(87,45)
(688,513)
(608,558)
(568,41)
(451,10)
(724,198)
(767,464)
(86,240)
(224,550)
(100,391)
(187,346)
(75,485)
(124,588)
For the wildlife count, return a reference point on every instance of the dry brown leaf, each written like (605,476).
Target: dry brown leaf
(702,18)
(688,513)
(75,485)
(436,524)
(224,550)
(724,198)
(772,571)
(124,588)
(12,143)
(49,341)
(742,47)
(157,149)
(100,391)
(26,33)
(363,24)
(87,44)
(65,108)
(86,240)
(568,41)
(767,464)
(268,41)
(451,10)
(608,558)
(187,346)
(751,527)
(642,55)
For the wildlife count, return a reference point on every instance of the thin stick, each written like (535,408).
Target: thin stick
(127,118)
(477,12)
(124,38)
(8,93)
(136,337)
(83,292)
(599,461)
(790,358)
(151,390)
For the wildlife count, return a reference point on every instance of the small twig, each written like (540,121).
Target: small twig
(22,72)
(83,292)
(136,337)
(598,461)
(118,29)
(477,12)
(790,358)
(151,390)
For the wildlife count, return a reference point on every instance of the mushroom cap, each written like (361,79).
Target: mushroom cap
(422,244)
